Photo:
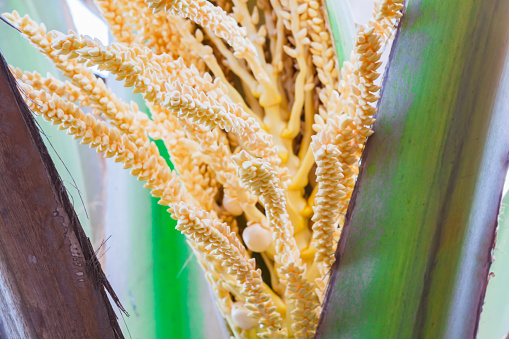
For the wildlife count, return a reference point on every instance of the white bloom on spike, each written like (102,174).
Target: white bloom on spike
(257,238)
(232,205)
(241,317)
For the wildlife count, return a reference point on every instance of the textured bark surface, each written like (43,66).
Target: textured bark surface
(51,284)
(416,249)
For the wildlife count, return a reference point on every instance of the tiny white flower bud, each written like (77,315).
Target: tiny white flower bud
(241,317)
(257,238)
(232,205)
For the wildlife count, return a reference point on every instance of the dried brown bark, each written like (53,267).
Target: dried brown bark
(51,284)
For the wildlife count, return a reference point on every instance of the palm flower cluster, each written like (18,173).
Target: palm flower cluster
(263,128)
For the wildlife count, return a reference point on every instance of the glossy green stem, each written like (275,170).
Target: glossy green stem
(415,252)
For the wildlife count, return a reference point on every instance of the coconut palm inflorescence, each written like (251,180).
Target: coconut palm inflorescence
(263,128)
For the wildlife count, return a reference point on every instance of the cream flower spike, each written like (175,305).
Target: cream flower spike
(328,198)
(341,128)
(132,22)
(358,90)
(222,25)
(207,15)
(386,12)
(321,47)
(325,61)
(327,205)
(299,53)
(217,21)
(113,11)
(64,90)
(194,172)
(144,161)
(127,118)
(177,97)
(259,177)
(389,9)
(302,303)
(196,107)
(197,226)
(213,274)
(170,6)
(218,155)
(211,268)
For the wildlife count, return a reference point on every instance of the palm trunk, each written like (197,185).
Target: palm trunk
(51,284)
(415,252)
